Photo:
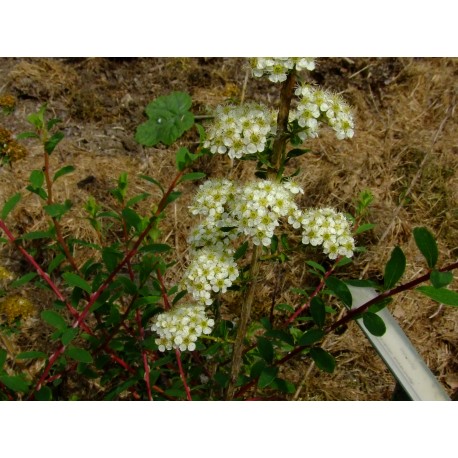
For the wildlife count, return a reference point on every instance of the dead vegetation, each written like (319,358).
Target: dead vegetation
(405,151)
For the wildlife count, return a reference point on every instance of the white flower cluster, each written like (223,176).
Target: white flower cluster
(317,106)
(277,68)
(240,130)
(326,227)
(211,269)
(258,206)
(180,327)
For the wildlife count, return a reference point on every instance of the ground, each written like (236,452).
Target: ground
(404,151)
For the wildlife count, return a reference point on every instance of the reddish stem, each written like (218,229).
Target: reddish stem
(182,374)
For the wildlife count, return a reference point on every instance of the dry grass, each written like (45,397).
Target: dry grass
(405,151)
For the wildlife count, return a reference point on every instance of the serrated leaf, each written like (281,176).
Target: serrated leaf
(9,205)
(193,176)
(76,281)
(440,279)
(266,349)
(31,355)
(15,382)
(394,268)
(324,360)
(318,311)
(441,295)
(63,171)
(267,376)
(79,354)
(23,280)
(340,289)
(169,118)
(54,319)
(427,245)
(51,144)
(310,337)
(374,324)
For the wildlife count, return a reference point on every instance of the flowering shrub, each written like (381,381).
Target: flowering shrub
(116,320)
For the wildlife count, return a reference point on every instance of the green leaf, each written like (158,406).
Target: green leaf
(284,307)
(152,180)
(15,382)
(31,355)
(36,235)
(172,197)
(137,199)
(9,205)
(37,178)
(3,355)
(54,319)
(79,354)
(44,394)
(394,268)
(324,360)
(267,376)
(440,279)
(56,262)
(340,289)
(25,135)
(316,266)
(169,118)
(318,311)
(310,337)
(427,244)
(131,218)
(374,324)
(441,295)
(241,250)
(37,119)
(69,335)
(58,210)
(52,122)
(111,257)
(266,349)
(364,228)
(296,152)
(23,280)
(51,144)
(76,281)
(184,158)
(63,171)
(156,248)
(193,176)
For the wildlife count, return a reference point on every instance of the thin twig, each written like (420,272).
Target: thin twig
(243,323)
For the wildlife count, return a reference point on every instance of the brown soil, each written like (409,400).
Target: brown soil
(404,150)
